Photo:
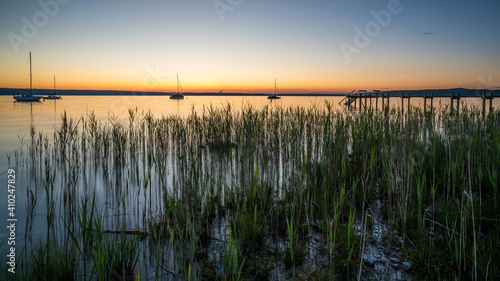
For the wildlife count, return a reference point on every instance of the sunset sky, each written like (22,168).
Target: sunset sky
(311,46)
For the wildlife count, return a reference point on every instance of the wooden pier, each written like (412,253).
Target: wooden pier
(362,99)
(431,97)
(457,98)
(490,98)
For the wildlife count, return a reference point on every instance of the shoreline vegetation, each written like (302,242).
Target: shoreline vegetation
(265,194)
(392,93)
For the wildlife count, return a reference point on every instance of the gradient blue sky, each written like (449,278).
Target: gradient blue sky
(140,45)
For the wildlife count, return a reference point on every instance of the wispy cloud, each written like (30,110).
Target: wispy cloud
(428,33)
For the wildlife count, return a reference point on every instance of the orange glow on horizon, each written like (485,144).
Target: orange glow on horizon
(240,88)
(321,80)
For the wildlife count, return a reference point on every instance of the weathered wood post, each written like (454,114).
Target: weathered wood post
(361,92)
(452,94)
(409,97)
(491,101)
(458,103)
(359,101)
(376,92)
(484,102)
(402,103)
(425,102)
(432,101)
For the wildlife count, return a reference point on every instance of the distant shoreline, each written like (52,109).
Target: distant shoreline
(394,93)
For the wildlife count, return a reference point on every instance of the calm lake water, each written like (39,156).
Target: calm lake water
(17,118)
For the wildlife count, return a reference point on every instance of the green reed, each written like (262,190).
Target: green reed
(252,179)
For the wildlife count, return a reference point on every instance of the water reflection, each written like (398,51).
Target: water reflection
(139,154)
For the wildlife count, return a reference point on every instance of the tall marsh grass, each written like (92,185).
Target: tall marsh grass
(250,186)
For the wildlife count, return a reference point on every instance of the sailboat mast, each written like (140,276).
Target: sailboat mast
(178,83)
(54,84)
(274,86)
(31,78)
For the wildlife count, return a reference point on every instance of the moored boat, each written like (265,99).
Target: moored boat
(178,95)
(30,96)
(276,92)
(53,96)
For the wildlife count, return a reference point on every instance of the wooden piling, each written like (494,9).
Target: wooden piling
(402,103)
(455,97)
(484,102)
(360,92)
(451,99)
(491,100)
(376,92)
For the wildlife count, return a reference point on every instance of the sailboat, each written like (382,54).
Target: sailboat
(29,97)
(178,95)
(276,92)
(53,96)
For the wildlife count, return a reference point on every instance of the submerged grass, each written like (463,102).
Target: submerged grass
(257,182)
(117,257)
